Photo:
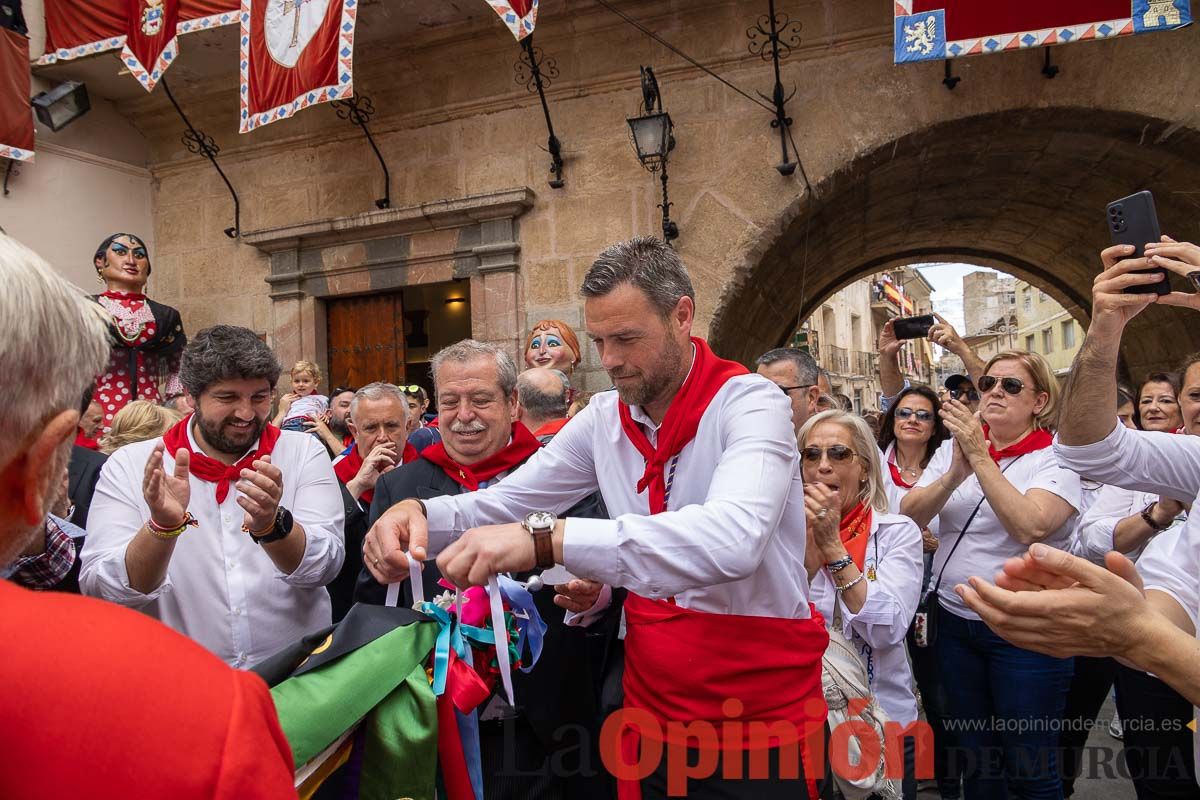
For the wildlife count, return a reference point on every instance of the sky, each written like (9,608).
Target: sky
(946,280)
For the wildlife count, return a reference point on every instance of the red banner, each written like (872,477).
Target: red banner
(16,114)
(151,43)
(294,54)
(519,15)
(77,28)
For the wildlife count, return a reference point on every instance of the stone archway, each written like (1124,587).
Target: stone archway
(1021,190)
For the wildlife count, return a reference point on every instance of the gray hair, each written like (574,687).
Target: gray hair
(470,350)
(54,341)
(379,390)
(225,352)
(872,492)
(539,404)
(649,264)
(806,365)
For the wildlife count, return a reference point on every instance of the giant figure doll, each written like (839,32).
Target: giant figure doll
(147,337)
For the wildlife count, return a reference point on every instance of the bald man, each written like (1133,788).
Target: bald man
(543,396)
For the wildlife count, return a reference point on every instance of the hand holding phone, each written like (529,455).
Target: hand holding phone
(1133,221)
(912,327)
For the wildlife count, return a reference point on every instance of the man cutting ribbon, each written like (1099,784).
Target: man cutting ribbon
(696,460)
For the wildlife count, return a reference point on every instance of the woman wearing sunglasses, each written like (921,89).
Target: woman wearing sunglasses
(860,558)
(147,337)
(1001,492)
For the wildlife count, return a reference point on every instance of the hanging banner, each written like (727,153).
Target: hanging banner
(16,113)
(519,15)
(78,28)
(294,54)
(929,30)
(151,41)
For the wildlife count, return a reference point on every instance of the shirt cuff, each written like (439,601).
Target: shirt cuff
(876,609)
(590,549)
(1076,457)
(582,619)
(439,521)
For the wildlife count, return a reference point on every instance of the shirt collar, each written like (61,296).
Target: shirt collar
(639,416)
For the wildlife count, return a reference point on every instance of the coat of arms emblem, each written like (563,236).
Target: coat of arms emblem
(152,17)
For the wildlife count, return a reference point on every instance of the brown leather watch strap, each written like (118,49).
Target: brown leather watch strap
(543,547)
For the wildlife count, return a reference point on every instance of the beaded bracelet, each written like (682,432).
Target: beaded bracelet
(840,564)
(171,533)
(850,585)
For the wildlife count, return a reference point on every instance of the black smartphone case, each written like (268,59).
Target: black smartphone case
(912,327)
(1132,220)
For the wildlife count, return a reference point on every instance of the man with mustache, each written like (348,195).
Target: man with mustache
(225,528)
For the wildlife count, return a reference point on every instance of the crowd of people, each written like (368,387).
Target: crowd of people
(996,555)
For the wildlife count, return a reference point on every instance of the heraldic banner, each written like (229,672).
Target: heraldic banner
(519,15)
(77,28)
(151,43)
(930,30)
(16,113)
(294,54)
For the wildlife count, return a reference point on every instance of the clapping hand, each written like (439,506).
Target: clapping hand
(967,430)
(167,495)
(259,492)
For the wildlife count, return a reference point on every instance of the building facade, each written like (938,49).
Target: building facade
(989,299)
(1046,328)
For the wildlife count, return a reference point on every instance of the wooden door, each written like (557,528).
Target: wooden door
(366,339)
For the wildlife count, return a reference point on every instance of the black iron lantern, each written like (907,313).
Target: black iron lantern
(653,139)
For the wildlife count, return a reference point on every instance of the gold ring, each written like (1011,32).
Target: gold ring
(823,513)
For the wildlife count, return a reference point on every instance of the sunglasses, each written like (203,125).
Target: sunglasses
(1012,386)
(921,414)
(120,250)
(837,454)
(411,389)
(786,389)
(970,394)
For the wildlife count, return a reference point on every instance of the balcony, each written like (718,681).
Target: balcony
(835,360)
(864,363)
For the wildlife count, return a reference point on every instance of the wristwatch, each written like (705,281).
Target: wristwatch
(540,525)
(283,526)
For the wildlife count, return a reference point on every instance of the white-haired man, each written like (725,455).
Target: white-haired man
(97,698)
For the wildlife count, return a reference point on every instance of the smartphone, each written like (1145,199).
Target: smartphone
(1132,220)
(912,327)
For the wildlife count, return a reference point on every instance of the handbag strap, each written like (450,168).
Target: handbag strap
(963,533)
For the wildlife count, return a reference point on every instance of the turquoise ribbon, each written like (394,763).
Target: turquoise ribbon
(448,636)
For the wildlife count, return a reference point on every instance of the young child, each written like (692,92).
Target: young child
(302,403)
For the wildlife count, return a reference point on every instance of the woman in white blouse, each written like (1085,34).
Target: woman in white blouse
(859,557)
(1001,492)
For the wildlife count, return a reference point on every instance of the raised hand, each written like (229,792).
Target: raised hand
(943,335)
(1111,307)
(402,529)
(889,345)
(822,511)
(167,494)
(1181,258)
(967,430)
(259,492)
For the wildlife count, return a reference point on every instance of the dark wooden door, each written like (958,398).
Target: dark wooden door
(366,339)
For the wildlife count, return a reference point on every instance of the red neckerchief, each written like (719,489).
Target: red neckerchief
(897,476)
(522,446)
(123,295)
(855,529)
(347,440)
(709,373)
(347,467)
(1037,439)
(209,469)
(551,428)
(83,441)
(410,454)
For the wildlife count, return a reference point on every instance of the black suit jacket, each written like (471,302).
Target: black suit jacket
(83,473)
(561,689)
(341,588)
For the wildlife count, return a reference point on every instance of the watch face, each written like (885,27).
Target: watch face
(540,519)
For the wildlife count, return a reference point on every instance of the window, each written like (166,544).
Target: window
(1041,296)
(1028,300)
(1048,340)
(1012,299)
(1029,344)
(1068,334)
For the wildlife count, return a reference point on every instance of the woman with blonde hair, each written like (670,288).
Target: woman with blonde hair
(138,421)
(864,564)
(1002,491)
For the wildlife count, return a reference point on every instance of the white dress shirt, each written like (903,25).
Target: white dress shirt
(896,493)
(222,589)
(1094,536)
(987,544)
(732,538)
(878,629)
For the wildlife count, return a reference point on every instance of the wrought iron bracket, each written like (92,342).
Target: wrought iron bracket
(9,171)
(359,109)
(669,228)
(535,71)
(201,143)
(950,81)
(773,38)
(1048,69)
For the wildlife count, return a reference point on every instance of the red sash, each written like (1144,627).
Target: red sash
(209,469)
(83,441)
(551,428)
(1037,439)
(522,446)
(855,529)
(679,425)
(347,467)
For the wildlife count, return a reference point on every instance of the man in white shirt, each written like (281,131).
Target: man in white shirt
(226,528)
(696,460)
(1059,604)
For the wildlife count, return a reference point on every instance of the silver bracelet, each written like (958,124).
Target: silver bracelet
(840,564)
(850,585)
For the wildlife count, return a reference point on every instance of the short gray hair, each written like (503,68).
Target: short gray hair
(873,493)
(539,404)
(54,341)
(379,390)
(649,265)
(470,350)
(225,352)
(806,365)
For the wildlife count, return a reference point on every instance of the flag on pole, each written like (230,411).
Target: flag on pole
(294,54)
(151,39)
(78,28)
(16,113)
(519,15)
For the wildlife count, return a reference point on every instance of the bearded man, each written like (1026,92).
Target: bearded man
(225,528)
